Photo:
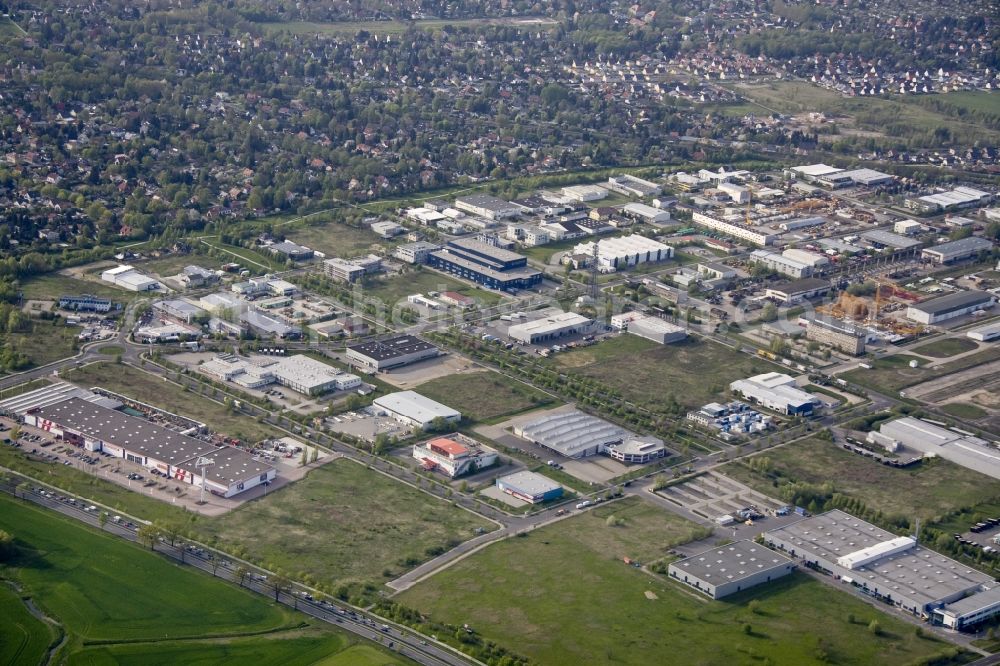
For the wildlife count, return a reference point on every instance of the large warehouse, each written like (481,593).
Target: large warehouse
(484,264)
(948,307)
(577,435)
(649,327)
(298,372)
(958,250)
(129,278)
(615,254)
(550,328)
(776,391)
(530,487)
(414,409)
(931,439)
(391,353)
(488,206)
(786,265)
(96,428)
(797,291)
(894,569)
(729,569)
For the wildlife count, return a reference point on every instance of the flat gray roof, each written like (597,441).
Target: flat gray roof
(951,302)
(151,440)
(383,350)
(800,286)
(731,563)
(889,239)
(962,246)
(918,574)
(572,432)
(529,483)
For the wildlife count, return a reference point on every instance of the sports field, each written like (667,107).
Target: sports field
(119,603)
(927,490)
(693,372)
(484,396)
(562,595)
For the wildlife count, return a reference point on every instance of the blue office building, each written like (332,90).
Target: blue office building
(484,264)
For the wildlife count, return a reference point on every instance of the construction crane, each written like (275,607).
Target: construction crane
(201,464)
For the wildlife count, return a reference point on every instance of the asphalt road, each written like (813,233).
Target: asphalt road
(400,639)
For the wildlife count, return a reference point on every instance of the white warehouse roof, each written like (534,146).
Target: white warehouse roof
(416,407)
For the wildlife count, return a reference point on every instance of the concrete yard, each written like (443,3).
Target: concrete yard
(414,375)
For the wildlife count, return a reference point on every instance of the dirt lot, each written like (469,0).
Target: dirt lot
(414,375)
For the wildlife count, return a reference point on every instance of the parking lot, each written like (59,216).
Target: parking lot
(366,425)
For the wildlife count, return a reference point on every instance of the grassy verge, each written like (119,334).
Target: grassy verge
(136,605)
(33,385)
(562,595)
(963,410)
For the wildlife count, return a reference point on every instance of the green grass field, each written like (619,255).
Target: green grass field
(335,239)
(45,341)
(396,27)
(135,383)
(974,100)
(51,286)
(945,347)
(344,523)
(393,290)
(963,410)
(9,29)
(893,373)
(252,260)
(174,264)
(138,606)
(562,595)
(890,117)
(694,372)
(928,490)
(24,639)
(484,396)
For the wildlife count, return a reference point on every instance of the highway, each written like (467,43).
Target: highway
(402,640)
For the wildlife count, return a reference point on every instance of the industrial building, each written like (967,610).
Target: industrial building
(455,455)
(343,270)
(781,263)
(85,303)
(615,254)
(733,418)
(839,335)
(801,223)
(649,327)
(796,291)
(129,278)
(196,276)
(292,251)
(907,227)
(180,310)
(413,409)
(948,307)
(893,569)
(959,447)
(300,373)
(732,568)
(484,264)
(267,285)
(633,186)
(575,434)
(646,213)
(266,326)
(550,328)
(960,197)
(380,355)
(530,487)
(637,450)
(387,229)
(985,333)
(96,428)
(584,192)
(814,259)
(880,238)
(965,248)
(867,177)
(744,233)
(487,206)
(415,253)
(777,392)
(738,193)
